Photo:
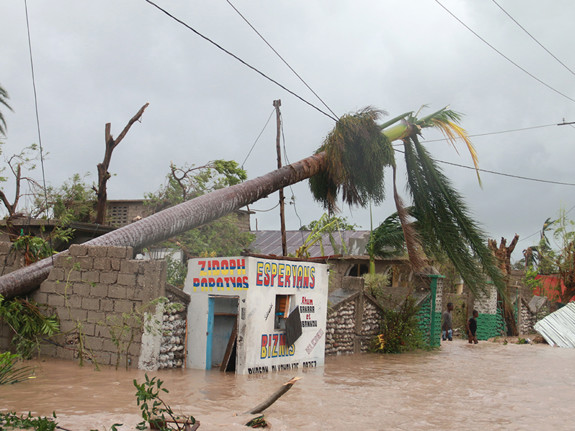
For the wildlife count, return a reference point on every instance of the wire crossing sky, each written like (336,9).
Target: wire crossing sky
(91,70)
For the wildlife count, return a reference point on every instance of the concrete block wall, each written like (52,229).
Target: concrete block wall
(10,258)
(92,285)
(89,286)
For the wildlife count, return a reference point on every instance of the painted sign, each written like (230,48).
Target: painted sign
(265,293)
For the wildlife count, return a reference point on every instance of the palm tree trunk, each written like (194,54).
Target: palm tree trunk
(176,220)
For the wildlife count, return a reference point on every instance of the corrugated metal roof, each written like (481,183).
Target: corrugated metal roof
(558,328)
(268,242)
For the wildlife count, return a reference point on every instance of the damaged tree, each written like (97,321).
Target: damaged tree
(503,256)
(103,174)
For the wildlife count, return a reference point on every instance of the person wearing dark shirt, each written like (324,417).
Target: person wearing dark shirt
(472,327)
(447,325)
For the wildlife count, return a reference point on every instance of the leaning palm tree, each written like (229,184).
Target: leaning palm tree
(350,161)
(3,101)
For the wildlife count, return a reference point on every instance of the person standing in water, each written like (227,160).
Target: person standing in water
(447,324)
(472,327)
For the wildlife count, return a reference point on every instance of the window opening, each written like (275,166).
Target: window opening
(283,304)
(358,269)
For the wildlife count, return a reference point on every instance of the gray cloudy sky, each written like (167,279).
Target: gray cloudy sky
(100,61)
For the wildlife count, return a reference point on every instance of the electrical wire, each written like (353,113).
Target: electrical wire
(503,55)
(239,59)
(507,175)
(539,231)
(293,200)
(265,211)
(282,59)
(532,37)
(496,133)
(37,120)
(499,173)
(36,105)
(257,139)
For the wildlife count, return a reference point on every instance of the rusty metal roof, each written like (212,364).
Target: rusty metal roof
(558,328)
(268,242)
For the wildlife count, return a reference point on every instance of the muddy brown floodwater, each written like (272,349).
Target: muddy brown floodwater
(488,386)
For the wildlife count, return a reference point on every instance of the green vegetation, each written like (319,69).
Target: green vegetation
(3,101)
(223,236)
(357,151)
(554,259)
(10,372)
(329,223)
(30,322)
(326,225)
(155,411)
(176,272)
(13,421)
(74,200)
(399,330)
(375,284)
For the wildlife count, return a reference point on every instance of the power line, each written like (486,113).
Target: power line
(265,211)
(503,55)
(498,133)
(239,59)
(293,200)
(499,173)
(532,37)
(257,139)
(539,231)
(282,59)
(507,175)
(37,117)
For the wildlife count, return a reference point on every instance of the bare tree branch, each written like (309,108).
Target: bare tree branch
(103,174)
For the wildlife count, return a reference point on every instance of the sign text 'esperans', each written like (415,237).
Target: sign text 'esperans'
(285,275)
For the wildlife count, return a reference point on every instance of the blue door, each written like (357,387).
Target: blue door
(222,316)
(210,332)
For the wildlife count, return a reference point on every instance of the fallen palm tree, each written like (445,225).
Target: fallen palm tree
(350,162)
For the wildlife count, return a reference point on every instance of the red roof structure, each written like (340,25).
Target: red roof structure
(550,287)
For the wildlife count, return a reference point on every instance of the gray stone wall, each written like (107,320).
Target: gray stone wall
(352,324)
(372,316)
(527,319)
(173,345)
(340,329)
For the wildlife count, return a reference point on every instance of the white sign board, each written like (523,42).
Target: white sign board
(257,296)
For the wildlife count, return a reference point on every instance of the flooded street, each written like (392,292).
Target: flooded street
(488,386)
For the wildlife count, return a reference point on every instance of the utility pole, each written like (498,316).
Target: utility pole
(277,104)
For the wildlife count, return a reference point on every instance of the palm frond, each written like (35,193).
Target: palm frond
(444,221)
(3,100)
(446,120)
(387,239)
(356,153)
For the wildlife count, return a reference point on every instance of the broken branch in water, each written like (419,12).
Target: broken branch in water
(284,388)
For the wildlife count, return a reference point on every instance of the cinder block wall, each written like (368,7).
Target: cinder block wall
(89,285)
(10,260)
